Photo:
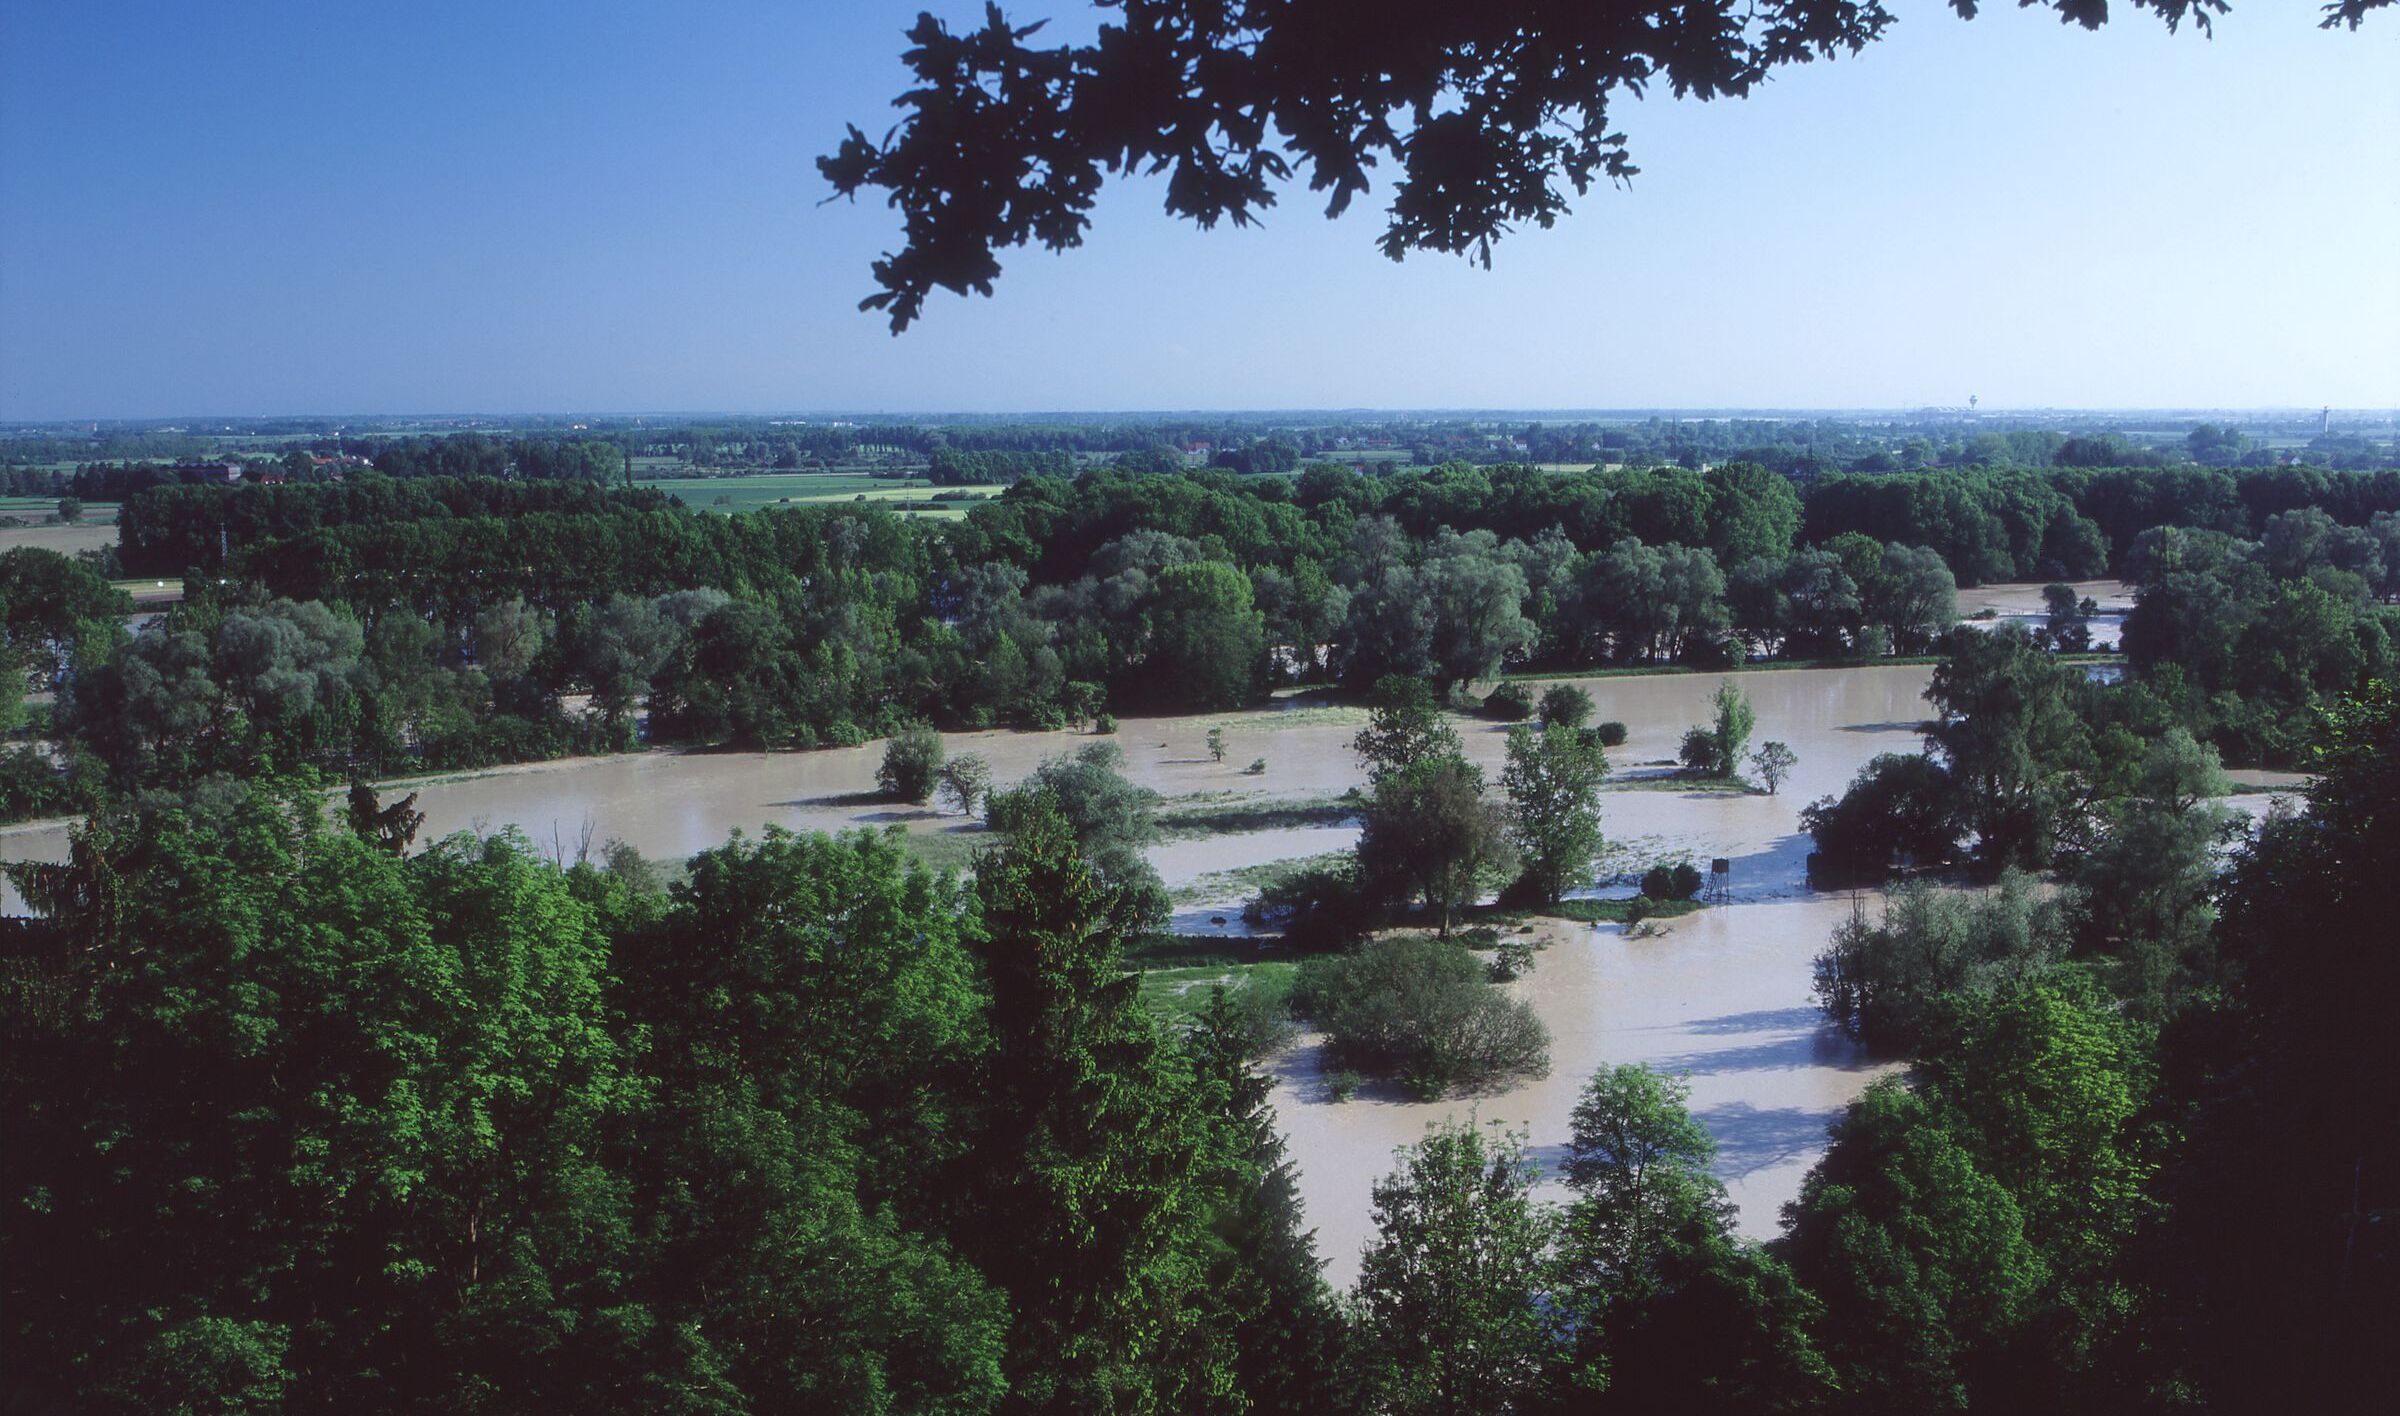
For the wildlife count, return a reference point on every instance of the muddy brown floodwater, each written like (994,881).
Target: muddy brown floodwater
(1722,995)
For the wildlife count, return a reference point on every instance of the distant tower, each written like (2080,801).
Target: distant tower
(2325,420)
(1972,400)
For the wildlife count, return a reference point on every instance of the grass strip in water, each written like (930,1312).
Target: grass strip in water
(1244,881)
(1679,782)
(1769,666)
(1609,911)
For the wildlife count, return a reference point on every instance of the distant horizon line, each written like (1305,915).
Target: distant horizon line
(935,416)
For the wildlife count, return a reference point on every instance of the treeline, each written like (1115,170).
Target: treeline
(173,530)
(299,1119)
(35,482)
(1192,592)
(1799,448)
(950,467)
(572,459)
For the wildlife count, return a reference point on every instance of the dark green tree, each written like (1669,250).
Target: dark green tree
(1671,1311)
(1966,1232)
(1449,1308)
(1404,726)
(812,1021)
(1426,832)
(1552,781)
(1208,641)
(1287,1332)
(2017,750)
(2278,1272)
(1084,1184)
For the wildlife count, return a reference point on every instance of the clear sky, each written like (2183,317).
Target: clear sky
(250,208)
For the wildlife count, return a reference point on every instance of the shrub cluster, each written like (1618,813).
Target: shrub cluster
(1423,1012)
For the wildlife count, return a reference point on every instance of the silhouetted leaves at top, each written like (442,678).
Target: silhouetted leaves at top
(1493,115)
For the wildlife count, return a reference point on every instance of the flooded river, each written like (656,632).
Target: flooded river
(1722,995)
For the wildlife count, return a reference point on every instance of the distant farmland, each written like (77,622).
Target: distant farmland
(749,493)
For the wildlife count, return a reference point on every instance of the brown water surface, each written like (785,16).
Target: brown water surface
(1722,995)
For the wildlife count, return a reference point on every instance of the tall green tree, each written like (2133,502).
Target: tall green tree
(1208,640)
(2146,910)
(1751,512)
(812,1021)
(1477,600)
(1966,1229)
(1404,725)
(1552,780)
(1287,1332)
(2018,751)
(337,1126)
(2276,1267)
(1449,1308)
(1670,1311)
(1083,1169)
(1427,832)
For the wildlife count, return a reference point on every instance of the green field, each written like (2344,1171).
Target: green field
(104,512)
(753,491)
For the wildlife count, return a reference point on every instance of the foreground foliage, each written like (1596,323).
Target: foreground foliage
(296,1122)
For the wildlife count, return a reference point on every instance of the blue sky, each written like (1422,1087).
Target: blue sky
(241,208)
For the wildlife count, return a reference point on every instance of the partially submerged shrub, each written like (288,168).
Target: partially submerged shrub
(1512,959)
(1422,1012)
(1318,906)
(1259,1015)
(1889,984)
(1678,881)
(912,762)
(1565,706)
(1511,702)
(1901,809)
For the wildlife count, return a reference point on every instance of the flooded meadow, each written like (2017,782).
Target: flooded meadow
(1722,995)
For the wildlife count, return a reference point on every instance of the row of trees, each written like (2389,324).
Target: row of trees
(485,608)
(1985,525)
(1797,448)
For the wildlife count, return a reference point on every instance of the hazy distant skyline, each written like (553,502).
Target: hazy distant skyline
(608,207)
